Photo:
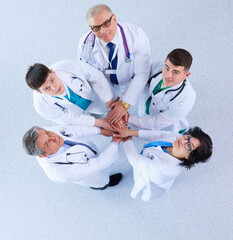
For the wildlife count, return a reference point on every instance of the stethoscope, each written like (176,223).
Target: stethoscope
(127,54)
(70,163)
(179,89)
(75,153)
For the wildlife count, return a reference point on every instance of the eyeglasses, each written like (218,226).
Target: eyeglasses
(188,145)
(104,25)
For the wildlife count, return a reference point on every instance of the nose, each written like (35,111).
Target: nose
(169,74)
(102,30)
(53,88)
(52,139)
(183,141)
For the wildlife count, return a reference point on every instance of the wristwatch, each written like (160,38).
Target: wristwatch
(125,104)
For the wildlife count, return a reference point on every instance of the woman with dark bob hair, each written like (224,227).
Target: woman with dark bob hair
(160,162)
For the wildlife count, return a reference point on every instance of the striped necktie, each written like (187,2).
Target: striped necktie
(113,77)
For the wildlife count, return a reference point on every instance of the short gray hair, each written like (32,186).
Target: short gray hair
(29,142)
(97,9)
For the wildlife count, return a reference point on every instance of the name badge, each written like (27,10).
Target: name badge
(110,71)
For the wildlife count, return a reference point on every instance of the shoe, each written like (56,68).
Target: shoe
(115,179)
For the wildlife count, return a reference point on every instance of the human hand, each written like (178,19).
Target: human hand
(117,113)
(109,103)
(127,139)
(105,132)
(121,132)
(103,123)
(126,117)
(119,124)
(117,140)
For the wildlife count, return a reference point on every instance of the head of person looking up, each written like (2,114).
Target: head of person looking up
(193,147)
(44,80)
(102,22)
(40,142)
(176,67)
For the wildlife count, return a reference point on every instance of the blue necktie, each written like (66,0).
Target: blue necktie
(113,77)
(156,144)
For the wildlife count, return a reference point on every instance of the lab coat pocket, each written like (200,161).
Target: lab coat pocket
(77,157)
(131,64)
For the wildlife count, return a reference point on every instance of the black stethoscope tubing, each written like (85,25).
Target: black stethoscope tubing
(171,90)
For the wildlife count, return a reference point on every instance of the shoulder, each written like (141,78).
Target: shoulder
(156,67)
(87,40)
(189,89)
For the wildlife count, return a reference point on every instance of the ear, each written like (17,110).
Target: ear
(38,91)
(43,155)
(114,18)
(187,74)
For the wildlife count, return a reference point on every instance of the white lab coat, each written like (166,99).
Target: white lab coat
(90,170)
(87,80)
(165,114)
(154,170)
(132,76)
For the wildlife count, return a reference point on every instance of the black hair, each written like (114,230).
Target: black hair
(36,75)
(202,153)
(180,57)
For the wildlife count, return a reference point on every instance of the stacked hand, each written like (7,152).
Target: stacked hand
(118,116)
(124,133)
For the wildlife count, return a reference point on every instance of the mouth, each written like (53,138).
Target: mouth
(168,81)
(59,89)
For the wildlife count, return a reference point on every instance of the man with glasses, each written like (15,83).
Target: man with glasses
(121,52)
(160,162)
(69,90)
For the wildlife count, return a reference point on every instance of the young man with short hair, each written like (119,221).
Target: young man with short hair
(169,96)
(69,90)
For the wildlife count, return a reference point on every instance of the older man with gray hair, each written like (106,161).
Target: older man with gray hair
(121,52)
(66,157)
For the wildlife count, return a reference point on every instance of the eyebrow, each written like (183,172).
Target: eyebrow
(46,142)
(173,70)
(191,143)
(49,81)
(101,24)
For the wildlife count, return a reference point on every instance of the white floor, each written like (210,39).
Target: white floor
(199,205)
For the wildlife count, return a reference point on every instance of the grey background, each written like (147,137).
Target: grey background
(199,205)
